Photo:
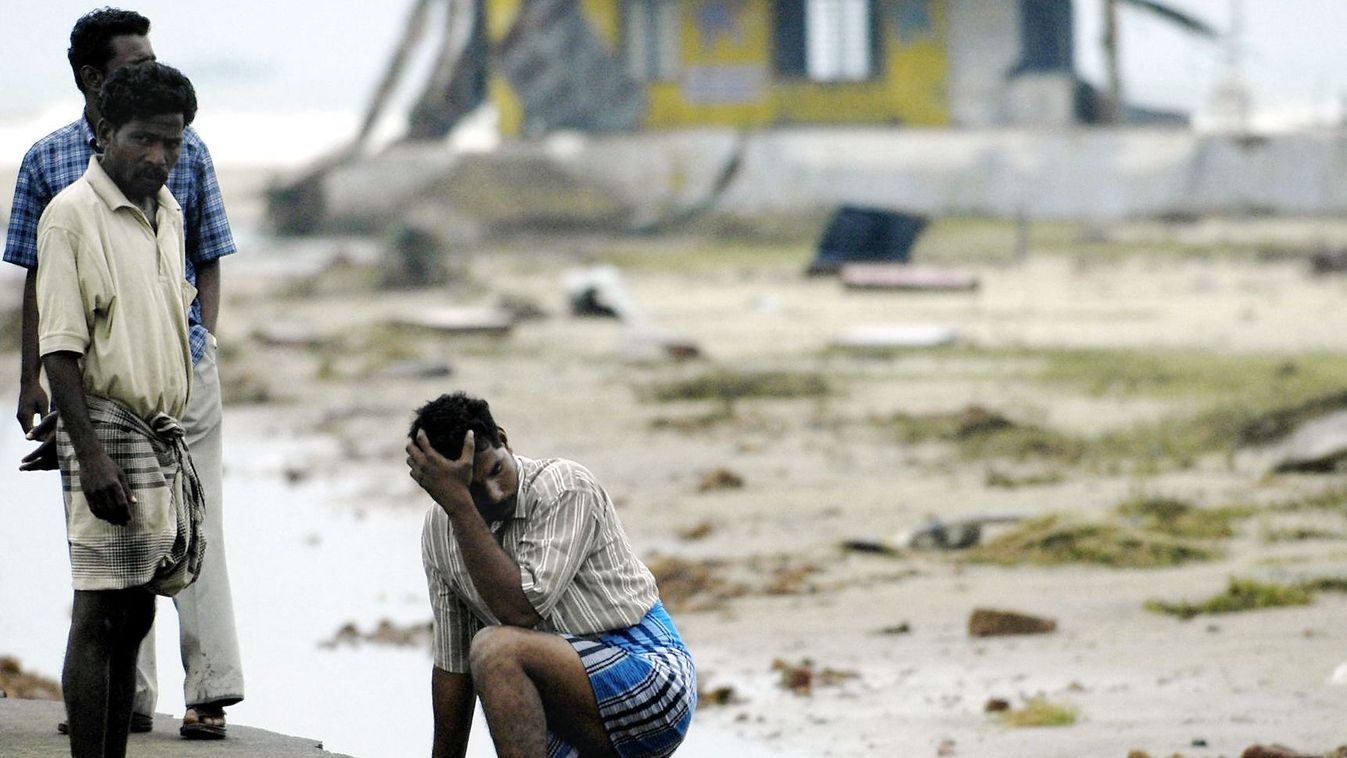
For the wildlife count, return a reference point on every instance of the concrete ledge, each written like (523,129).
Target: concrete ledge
(28,730)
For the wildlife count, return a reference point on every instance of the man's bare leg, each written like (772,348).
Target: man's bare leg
(529,680)
(99,673)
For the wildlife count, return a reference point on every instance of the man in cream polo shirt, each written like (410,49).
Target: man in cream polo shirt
(113,336)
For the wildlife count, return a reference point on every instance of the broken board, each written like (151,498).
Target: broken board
(466,320)
(891,276)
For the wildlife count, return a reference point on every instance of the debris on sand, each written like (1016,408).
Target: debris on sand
(599,292)
(996,705)
(720,479)
(1239,595)
(997,477)
(898,629)
(953,535)
(1178,518)
(905,277)
(722,695)
(1054,540)
(697,422)
(1281,751)
(983,433)
(876,547)
(699,531)
(1278,423)
(416,369)
(1318,445)
(1248,595)
(693,585)
(1328,261)
(1038,711)
(1300,534)
(986,622)
(801,678)
(791,579)
(25,685)
(385,633)
(460,320)
(728,386)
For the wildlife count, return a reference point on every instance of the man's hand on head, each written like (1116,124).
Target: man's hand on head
(445,480)
(33,401)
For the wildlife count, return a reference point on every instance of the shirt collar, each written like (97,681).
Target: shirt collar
(112,195)
(90,138)
(528,471)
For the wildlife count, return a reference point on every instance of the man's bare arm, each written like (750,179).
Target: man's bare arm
(494,574)
(208,292)
(102,480)
(452,699)
(33,399)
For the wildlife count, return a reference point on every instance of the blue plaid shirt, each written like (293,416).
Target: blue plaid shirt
(57,160)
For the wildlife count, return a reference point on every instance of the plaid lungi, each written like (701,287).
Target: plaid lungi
(645,683)
(161,547)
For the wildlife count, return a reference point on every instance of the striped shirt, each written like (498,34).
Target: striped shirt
(57,160)
(577,567)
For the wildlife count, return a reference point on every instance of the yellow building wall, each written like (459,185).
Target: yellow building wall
(909,88)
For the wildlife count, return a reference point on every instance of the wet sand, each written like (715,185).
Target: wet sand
(322,422)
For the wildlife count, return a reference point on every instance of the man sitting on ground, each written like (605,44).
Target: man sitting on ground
(541,607)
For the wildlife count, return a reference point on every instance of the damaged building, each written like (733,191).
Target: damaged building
(626,65)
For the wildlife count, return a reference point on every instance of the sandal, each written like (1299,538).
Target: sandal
(203,722)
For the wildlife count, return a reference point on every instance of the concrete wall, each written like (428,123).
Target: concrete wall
(636,180)
(1080,173)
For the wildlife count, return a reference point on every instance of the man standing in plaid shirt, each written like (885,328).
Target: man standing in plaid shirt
(100,43)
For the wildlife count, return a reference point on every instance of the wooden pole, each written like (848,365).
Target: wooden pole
(1113,108)
(411,37)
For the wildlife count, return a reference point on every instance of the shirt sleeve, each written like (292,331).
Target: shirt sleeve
(554,546)
(31,196)
(61,301)
(207,230)
(453,624)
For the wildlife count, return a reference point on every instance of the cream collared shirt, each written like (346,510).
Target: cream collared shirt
(112,289)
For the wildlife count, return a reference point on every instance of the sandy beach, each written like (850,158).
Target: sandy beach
(1099,362)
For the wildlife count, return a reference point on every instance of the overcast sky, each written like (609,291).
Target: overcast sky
(323,57)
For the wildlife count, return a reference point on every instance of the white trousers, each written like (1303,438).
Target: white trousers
(207,638)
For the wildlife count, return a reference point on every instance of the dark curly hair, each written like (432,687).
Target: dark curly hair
(146,89)
(91,39)
(448,418)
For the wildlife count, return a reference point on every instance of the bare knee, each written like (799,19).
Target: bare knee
(493,649)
